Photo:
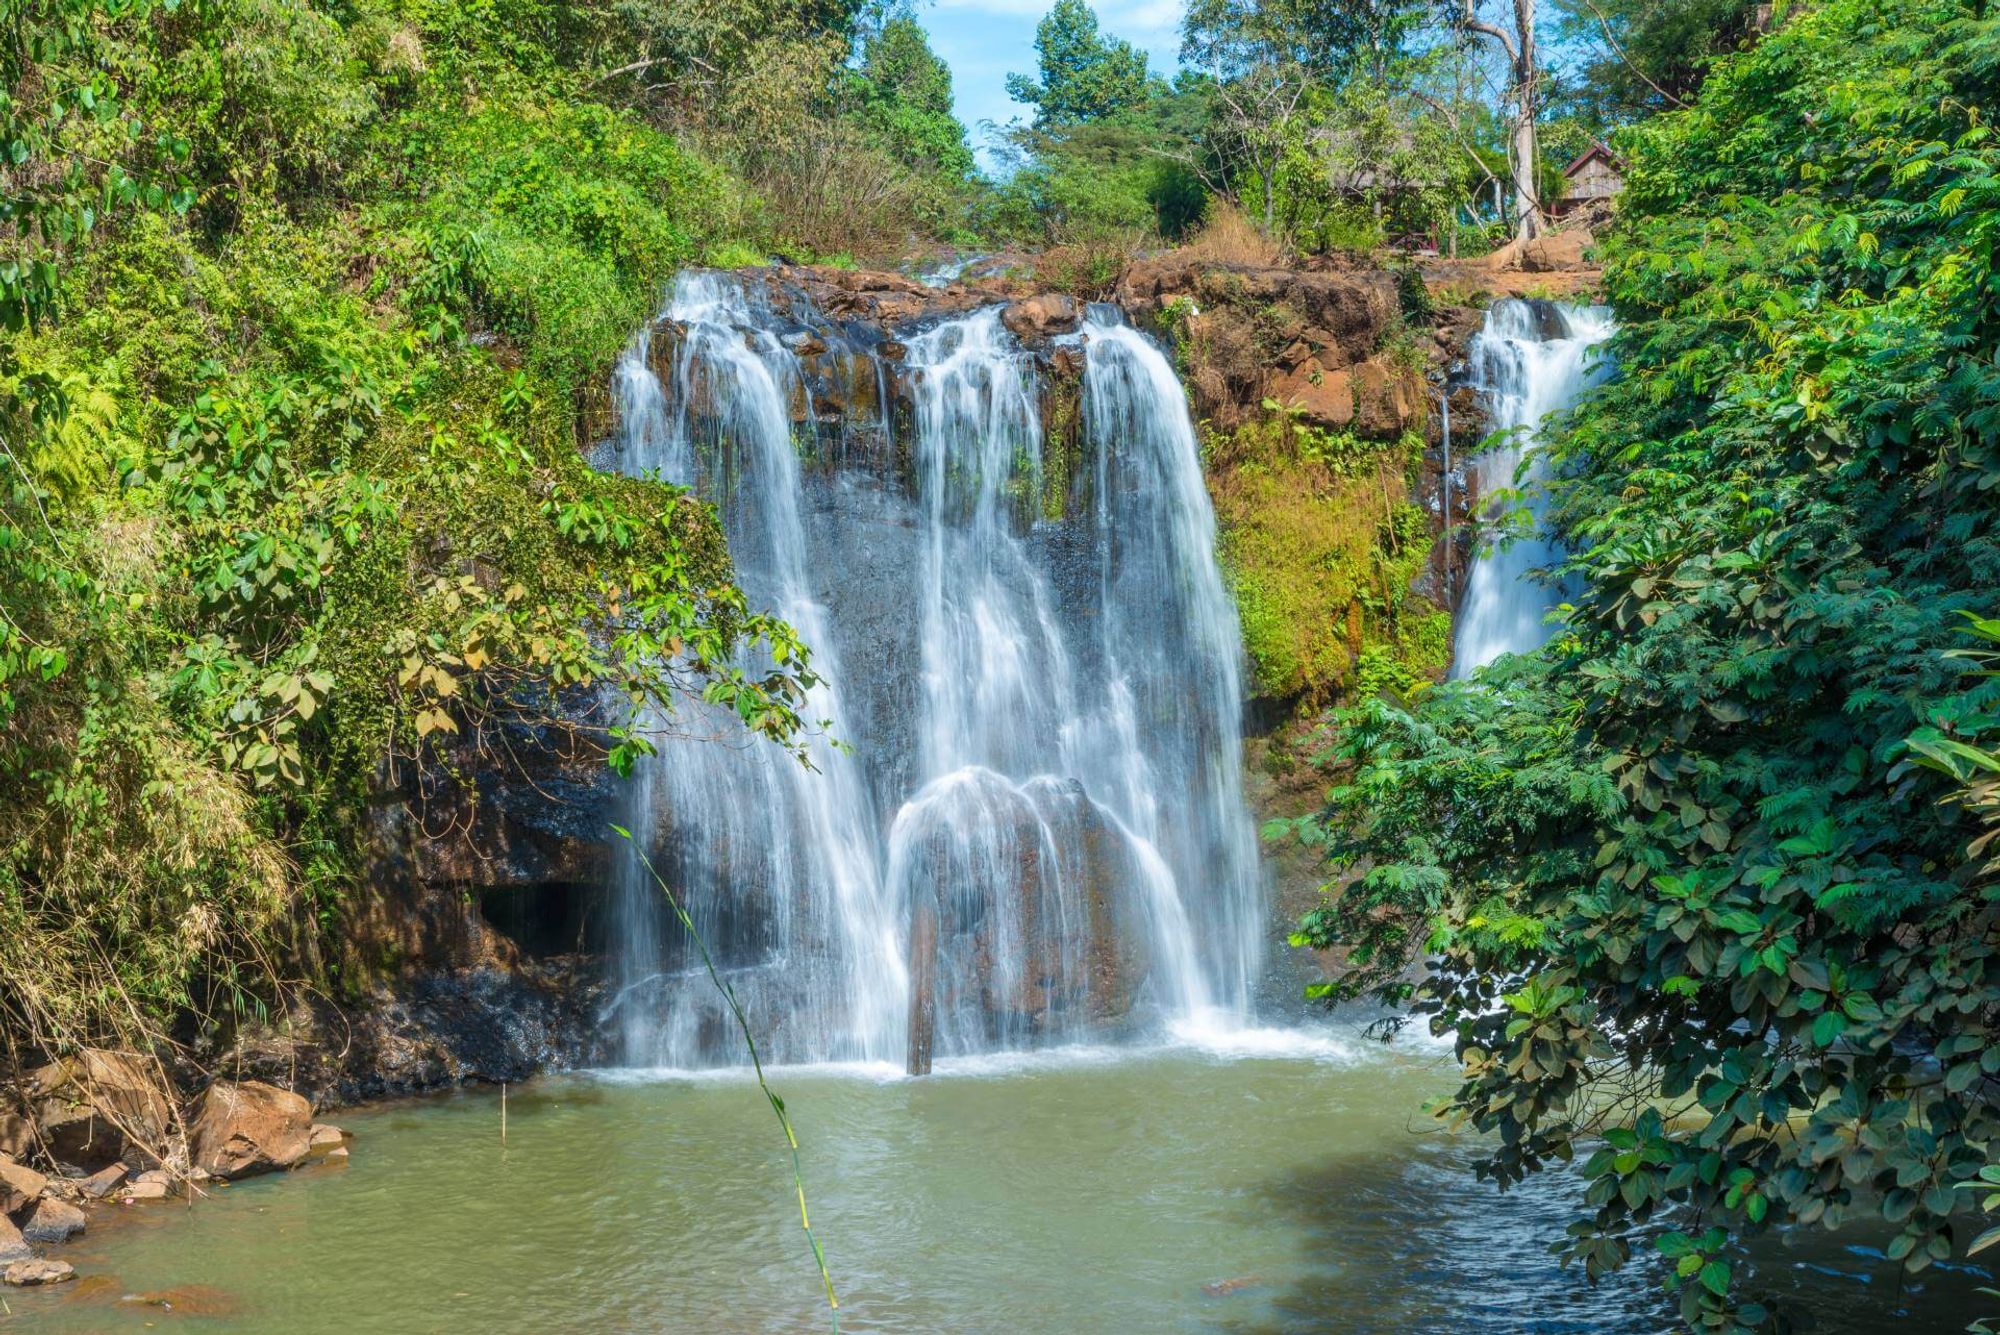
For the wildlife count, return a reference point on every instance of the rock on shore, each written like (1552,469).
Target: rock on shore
(251,1128)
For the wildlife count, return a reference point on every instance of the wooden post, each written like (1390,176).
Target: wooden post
(923,987)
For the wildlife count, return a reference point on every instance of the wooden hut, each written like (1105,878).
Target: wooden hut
(1590,182)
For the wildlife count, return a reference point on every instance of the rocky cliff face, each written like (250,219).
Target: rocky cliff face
(474,948)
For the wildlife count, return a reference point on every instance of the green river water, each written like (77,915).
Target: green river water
(1290,1184)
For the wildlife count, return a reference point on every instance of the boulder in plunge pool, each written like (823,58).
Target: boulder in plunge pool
(1024,913)
(52,1221)
(242,1130)
(20,1185)
(13,1247)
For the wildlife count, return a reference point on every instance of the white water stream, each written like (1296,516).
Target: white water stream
(1036,831)
(1531,359)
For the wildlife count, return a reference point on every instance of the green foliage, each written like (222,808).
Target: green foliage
(1644,56)
(905,94)
(1120,180)
(552,224)
(1085,76)
(292,495)
(1320,545)
(73,152)
(1353,38)
(1698,881)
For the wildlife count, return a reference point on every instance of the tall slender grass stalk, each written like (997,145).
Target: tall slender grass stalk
(756,1063)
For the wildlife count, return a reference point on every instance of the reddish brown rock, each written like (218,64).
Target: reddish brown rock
(13,1247)
(1349,311)
(1320,396)
(249,1128)
(91,1109)
(1040,316)
(1557,252)
(1553,252)
(20,1185)
(32,1273)
(145,1188)
(1389,400)
(99,1185)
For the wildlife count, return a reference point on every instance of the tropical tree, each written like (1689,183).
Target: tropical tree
(1262,59)
(904,92)
(1084,75)
(1515,39)
(1646,56)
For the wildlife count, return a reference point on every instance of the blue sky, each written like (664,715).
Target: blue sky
(986,40)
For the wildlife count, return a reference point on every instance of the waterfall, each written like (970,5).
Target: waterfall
(1035,830)
(1530,359)
(778,863)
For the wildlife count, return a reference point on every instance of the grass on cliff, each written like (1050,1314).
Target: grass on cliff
(1320,543)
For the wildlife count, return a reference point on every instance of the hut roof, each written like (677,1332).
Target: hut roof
(1597,149)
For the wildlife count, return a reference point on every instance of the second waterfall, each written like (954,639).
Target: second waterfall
(1033,830)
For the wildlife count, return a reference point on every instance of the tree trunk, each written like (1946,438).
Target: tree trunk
(1527,192)
(1527,207)
(1519,46)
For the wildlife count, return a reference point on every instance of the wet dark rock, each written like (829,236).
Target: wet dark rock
(434,1028)
(1058,855)
(53,1220)
(245,1129)
(923,988)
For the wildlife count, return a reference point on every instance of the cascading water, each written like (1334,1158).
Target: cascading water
(1037,830)
(778,862)
(1532,358)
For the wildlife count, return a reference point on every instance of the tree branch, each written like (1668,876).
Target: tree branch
(1471,22)
(647,64)
(1619,51)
